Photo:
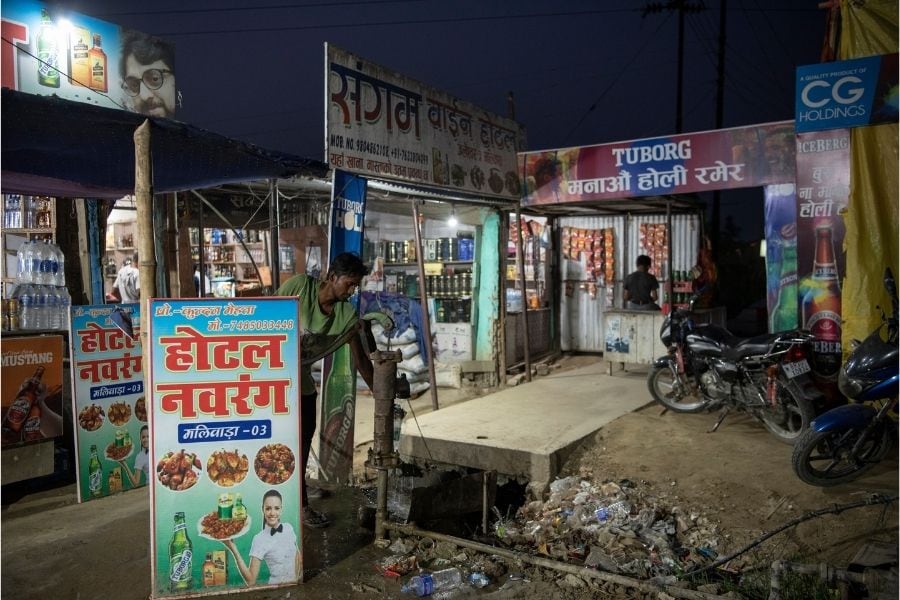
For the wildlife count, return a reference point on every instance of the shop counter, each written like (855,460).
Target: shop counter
(632,336)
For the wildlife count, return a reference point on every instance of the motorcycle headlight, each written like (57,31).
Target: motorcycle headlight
(848,386)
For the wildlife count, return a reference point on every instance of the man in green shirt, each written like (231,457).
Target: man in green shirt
(325,315)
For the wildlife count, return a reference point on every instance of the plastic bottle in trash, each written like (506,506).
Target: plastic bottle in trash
(429,583)
(479,580)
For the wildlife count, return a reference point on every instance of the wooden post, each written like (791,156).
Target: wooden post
(520,265)
(84,253)
(143,196)
(423,296)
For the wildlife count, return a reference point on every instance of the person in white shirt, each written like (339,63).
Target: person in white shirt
(141,461)
(276,544)
(127,286)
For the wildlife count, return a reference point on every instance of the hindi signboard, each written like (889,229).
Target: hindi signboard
(389,126)
(225,497)
(108,402)
(693,162)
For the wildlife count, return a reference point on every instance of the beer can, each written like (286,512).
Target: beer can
(391,252)
(431,249)
(444,249)
(410,250)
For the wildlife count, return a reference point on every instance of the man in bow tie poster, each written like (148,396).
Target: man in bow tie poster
(275,544)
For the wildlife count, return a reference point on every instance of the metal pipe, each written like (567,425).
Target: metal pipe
(484,502)
(381,520)
(546,563)
(520,266)
(201,249)
(502,242)
(426,321)
(274,226)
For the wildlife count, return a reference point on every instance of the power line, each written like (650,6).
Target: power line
(613,82)
(370,24)
(184,11)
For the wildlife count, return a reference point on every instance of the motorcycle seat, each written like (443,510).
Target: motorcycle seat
(743,348)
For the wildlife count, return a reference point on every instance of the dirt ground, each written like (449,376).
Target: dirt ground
(739,478)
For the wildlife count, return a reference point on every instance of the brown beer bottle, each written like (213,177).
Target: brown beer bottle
(32,429)
(21,407)
(821,308)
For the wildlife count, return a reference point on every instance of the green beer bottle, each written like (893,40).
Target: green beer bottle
(239,511)
(181,564)
(784,314)
(95,474)
(336,453)
(47,52)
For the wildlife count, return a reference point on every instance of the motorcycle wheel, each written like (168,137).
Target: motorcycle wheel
(789,419)
(821,458)
(673,393)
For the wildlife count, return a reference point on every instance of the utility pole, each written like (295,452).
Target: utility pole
(682,6)
(720,113)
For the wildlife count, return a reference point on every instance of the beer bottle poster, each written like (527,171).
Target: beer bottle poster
(225,423)
(31,386)
(781,256)
(338,373)
(823,190)
(108,402)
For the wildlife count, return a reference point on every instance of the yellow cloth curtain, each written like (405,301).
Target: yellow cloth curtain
(871,240)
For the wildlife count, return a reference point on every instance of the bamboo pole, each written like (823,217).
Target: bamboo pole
(143,195)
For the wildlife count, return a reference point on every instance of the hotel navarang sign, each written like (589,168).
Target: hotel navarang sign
(388,126)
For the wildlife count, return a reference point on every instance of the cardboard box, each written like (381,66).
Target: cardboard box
(452,342)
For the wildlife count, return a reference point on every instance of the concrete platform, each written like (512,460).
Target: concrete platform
(529,430)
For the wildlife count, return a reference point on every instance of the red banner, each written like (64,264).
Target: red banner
(695,162)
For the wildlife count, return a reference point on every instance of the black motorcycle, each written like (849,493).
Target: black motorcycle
(847,441)
(707,368)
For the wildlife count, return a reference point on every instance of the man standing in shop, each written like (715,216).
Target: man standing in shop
(147,69)
(327,316)
(127,286)
(641,288)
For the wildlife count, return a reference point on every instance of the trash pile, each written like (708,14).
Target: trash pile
(613,527)
(449,565)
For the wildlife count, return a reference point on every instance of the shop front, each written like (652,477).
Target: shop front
(615,202)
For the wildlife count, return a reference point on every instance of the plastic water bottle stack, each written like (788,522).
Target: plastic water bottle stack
(42,298)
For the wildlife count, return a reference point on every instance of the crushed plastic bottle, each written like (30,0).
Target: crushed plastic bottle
(429,583)
(479,580)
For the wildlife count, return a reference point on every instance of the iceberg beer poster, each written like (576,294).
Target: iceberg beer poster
(108,402)
(225,495)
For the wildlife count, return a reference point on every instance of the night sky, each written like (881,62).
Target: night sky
(581,72)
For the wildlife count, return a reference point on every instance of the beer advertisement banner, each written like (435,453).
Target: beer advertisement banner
(823,191)
(336,431)
(847,93)
(31,388)
(389,126)
(694,162)
(59,52)
(781,256)
(225,422)
(108,403)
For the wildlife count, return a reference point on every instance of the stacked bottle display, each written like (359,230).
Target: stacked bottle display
(27,212)
(40,299)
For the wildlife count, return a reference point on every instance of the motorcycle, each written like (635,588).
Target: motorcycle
(847,441)
(707,367)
